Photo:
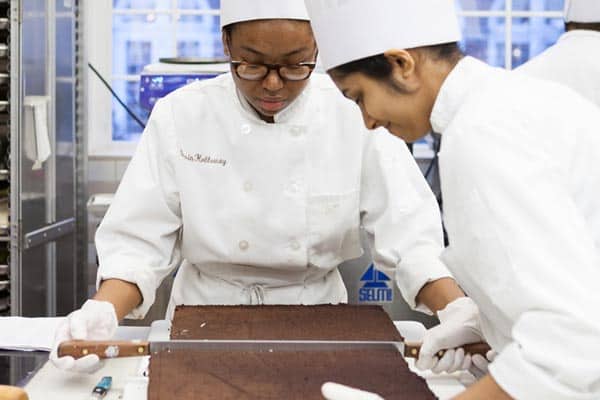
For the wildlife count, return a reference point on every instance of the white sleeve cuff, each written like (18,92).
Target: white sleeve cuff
(525,381)
(145,281)
(416,271)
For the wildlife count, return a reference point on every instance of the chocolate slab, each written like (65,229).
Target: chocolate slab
(227,375)
(274,322)
(282,374)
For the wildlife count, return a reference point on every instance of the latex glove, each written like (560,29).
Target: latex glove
(335,391)
(479,364)
(459,325)
(95,320)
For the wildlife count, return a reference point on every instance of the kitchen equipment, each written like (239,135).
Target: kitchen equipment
(114,349)
(158,80)
(4,303)
(102,387)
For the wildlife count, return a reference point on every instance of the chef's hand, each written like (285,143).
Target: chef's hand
(459,325)
(335,391)
(96,320)
(479,364)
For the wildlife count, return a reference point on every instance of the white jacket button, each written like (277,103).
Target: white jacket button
(295,187)
(246,129)
(295,245)
(296,131)
(248,187)
(244,245)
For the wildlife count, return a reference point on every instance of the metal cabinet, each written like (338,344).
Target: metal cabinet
(4,157)
(45,279)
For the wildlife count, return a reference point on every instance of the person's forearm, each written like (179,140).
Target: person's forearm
(486,388)
(437,294)
(123,295)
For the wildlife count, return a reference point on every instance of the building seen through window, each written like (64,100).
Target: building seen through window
(486,37)
(145,31)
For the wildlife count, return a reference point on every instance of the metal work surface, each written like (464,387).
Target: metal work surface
(17,367)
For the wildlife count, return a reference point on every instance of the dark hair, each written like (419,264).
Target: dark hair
(228,29)
(591,26)
(378,67)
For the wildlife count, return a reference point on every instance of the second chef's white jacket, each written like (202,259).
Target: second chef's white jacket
(573,61)
(521,186)
(260,213)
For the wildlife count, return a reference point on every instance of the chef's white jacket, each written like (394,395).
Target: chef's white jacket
(573,61)
(264,213)
(521,188)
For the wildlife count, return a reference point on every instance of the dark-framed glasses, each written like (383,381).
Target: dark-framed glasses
(258,72)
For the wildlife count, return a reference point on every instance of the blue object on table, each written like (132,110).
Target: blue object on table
(102,387)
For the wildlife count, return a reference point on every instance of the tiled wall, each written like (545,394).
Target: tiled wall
(105,174)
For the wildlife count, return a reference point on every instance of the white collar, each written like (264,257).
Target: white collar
(285,116)
(579,33)
(465,76)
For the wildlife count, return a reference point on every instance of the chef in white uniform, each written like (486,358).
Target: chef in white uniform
(256,184)
(574,60)
(520,180)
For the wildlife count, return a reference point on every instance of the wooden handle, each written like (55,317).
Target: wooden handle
(412,350)
(104,349)
(12,393)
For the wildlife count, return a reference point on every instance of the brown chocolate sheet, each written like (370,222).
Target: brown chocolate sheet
(281,374)
(246,375)
(272,322)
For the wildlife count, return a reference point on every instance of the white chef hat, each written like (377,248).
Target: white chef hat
(350,30)
(233,11)
(584,11)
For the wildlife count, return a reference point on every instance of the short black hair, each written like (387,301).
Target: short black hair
(228,29)
(378,67)
(591,26)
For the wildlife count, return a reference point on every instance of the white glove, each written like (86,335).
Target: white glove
(335,391)
(459,325)
(96,320)
(479,364)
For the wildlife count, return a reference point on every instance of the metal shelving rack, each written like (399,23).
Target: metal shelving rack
(43,56)
(5,138)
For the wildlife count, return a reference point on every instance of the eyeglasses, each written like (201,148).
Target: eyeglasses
(258,72)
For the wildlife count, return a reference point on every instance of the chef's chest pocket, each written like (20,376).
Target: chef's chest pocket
(334,225)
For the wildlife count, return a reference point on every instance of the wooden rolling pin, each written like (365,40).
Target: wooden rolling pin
(12,393)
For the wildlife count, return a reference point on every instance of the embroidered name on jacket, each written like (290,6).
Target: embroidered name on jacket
(199,158)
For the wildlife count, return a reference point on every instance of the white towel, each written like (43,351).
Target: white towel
(28,334)
(37,139)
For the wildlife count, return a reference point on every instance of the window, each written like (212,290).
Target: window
(139,33)
(507,33)
(504,33)
(143,32)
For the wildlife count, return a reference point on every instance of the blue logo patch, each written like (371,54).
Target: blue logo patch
(376,287)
